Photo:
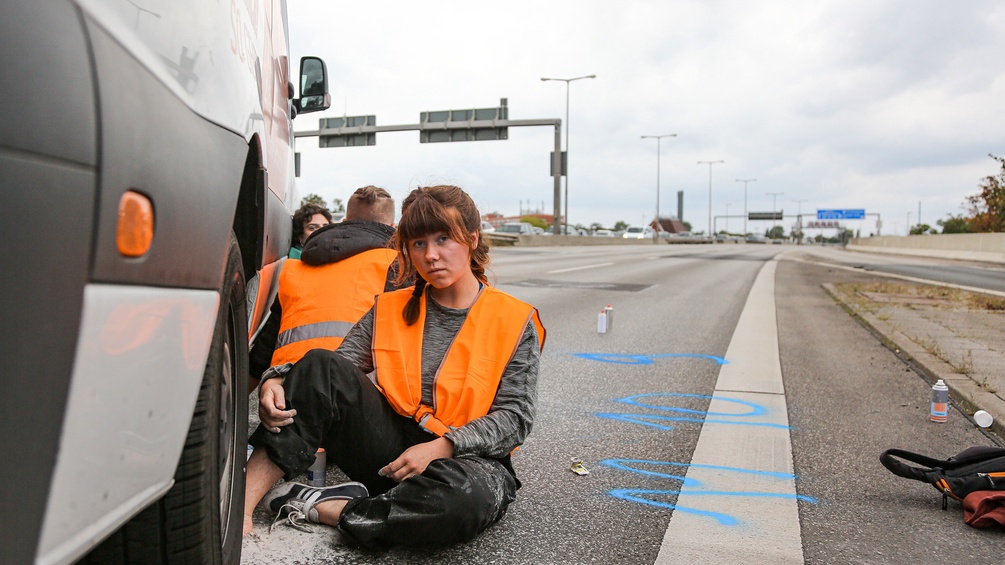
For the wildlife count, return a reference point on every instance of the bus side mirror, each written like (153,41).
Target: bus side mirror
(314,95)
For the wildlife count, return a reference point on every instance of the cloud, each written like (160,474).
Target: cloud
(841,104)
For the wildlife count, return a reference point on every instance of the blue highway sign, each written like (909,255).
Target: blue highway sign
(854,214)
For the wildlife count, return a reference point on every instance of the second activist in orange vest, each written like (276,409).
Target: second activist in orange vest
(321,303)
(465,385)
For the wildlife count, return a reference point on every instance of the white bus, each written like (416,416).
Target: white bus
(146,188)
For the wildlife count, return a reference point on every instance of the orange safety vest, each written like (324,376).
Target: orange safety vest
(468,377)
(322,303)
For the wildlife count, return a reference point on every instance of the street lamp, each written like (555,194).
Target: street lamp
(658,138)
(774,207)
(745,181)
(799,218)
(567,81)
(710,163)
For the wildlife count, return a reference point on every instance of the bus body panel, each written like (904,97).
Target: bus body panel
(172,99)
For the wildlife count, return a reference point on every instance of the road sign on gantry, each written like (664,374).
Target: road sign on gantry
(841,214)
(347,131)
(765,215)
(479,124)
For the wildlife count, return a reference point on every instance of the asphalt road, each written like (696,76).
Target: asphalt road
(631,404)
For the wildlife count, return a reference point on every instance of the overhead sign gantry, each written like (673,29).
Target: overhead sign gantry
(479,124)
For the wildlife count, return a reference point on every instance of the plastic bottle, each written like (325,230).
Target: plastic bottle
(940,402)
(609,312)
(316,472)
(602,322)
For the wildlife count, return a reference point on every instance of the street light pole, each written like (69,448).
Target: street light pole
(774,206)
(799,218)
(658,154)
(567,81)
(710,163)
(745,181)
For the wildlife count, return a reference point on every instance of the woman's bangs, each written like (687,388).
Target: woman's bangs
(426,216)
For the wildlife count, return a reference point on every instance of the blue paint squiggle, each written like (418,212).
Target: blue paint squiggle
(755,409)
(647,496)
(653,420)
(625,359)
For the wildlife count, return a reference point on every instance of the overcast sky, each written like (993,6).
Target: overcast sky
(880,105)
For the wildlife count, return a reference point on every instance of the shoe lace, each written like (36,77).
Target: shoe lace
(295,518)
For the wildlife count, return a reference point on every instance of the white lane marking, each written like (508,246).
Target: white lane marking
(579,268)
(767,519)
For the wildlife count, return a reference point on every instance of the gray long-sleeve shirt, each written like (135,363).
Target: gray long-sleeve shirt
(511,415)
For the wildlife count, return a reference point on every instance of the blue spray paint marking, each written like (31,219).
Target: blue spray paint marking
(645,419)
(624,359)
(646,496)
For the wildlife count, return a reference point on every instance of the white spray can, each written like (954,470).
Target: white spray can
(602,322)
(609,311)
(940,402)
(316,472)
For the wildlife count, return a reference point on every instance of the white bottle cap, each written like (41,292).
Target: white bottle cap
(983,419)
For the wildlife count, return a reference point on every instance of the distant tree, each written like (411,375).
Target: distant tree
(776,232)
(844,235)
(687,226)
(534,221)
(313,199)
(337,205)
(620,225)
(987,208)
(955,224)
(921,229)
(596,226)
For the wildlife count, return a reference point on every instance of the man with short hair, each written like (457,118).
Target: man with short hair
(342,268)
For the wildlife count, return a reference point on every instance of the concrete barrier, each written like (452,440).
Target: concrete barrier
(513,240)
(986,247)
(506,240)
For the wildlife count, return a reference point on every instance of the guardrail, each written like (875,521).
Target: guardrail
(512,240)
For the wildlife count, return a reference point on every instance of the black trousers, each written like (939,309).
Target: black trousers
(338,408)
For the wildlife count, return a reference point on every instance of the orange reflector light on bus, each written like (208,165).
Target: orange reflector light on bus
(135,230)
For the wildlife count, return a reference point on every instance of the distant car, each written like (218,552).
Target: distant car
(487,227)
(777,241)
(516,228)
(603,233)
(638,232)
(756,239)
(570,230)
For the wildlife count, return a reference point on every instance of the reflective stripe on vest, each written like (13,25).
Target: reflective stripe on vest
(468,377)
(321,303)
(314,331)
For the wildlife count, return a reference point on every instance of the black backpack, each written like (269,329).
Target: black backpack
(973,469)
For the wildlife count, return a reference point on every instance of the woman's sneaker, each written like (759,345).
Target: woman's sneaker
(296,501)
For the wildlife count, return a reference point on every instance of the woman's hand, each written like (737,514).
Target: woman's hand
(272,410)
(415,459)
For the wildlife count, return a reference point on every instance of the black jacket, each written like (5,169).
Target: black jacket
(329,244)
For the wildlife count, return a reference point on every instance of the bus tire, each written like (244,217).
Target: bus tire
(200,519)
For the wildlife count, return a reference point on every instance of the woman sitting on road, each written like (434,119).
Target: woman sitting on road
(456,365)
